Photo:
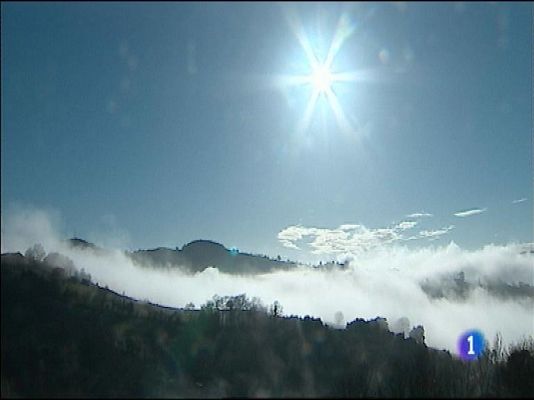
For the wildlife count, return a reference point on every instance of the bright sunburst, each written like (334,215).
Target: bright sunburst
(322,78)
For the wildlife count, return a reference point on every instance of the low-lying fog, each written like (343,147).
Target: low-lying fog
(390,282)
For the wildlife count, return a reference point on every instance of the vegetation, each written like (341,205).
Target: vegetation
(62,335)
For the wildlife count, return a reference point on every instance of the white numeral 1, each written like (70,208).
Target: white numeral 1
(470,340)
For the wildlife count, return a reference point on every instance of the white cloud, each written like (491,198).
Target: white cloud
(472,211)
(346,239)
(435,234)
(289,244)
(291,233)
(420,215)
(348,227)
(519,200)
(24,226)
(404,225)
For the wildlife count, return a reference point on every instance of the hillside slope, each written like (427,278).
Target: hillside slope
(62,335)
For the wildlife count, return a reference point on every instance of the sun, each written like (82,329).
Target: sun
(321,76)
(321,79)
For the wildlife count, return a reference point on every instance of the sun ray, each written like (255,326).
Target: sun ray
(293,80)
(339,114)
(298,30)
(343,31)
(306,118)
(354,76)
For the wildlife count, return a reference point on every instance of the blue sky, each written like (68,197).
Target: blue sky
(164,123)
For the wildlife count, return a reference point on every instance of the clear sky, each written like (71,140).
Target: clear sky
(162,123)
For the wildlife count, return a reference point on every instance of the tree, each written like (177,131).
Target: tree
(518,372)
(85,277)
(36,252)
(498,353)
(418,334)
(276,309)
(59,260)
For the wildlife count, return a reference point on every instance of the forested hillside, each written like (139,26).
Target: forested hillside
(62,335)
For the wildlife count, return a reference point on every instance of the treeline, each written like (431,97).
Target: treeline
(61,336)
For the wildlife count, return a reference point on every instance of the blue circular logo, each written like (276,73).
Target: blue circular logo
(471,345)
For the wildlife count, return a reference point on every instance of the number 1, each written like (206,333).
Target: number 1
(470,340)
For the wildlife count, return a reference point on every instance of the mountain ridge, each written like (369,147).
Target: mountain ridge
(200,254)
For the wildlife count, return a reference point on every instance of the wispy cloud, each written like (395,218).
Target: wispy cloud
(23,225)
(519,200)
(419,215)
(435,234)
(406,225)
(471,211)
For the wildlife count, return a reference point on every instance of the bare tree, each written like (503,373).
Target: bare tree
(36,252)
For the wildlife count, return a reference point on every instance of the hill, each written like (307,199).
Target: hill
(200,254)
